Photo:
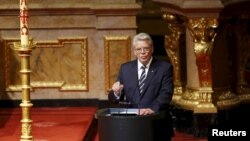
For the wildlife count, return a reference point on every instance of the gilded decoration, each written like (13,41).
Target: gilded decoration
(26,130)
(197,99)
(12,66)
(176,27)
(225,98)
(203,32)
(205,101)
(189,99)
(117,50)
(55,64)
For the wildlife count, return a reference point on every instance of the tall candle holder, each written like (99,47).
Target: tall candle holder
(24,49)
(26,123)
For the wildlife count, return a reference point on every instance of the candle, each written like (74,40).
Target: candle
(24,30)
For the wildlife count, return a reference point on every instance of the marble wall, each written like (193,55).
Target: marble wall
(79,47)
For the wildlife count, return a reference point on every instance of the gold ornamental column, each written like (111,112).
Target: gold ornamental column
(176,27)
(198,92)
(203,33)
(24,50)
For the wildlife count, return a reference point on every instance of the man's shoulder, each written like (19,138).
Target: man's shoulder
(163,63)
(133,62)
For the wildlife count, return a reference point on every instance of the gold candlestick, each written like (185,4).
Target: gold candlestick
(24,50)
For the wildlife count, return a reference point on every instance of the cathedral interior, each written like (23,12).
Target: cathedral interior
(75,49)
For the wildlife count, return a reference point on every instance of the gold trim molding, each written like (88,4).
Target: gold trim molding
(245,98)
(197,99)
(189,99)
(205,101)
(225,98)
(60,43)
(117,50)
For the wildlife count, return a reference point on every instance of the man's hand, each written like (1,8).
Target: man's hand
(117,88)
(146,111)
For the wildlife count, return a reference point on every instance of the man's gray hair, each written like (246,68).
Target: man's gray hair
(142,37)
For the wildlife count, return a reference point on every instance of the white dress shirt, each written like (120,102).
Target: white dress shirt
(139,65)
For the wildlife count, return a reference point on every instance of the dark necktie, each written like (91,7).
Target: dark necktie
(142,79)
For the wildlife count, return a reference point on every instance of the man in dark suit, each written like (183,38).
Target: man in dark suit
(152,92)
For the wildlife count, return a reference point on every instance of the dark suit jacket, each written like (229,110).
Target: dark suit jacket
(157,94)
(158,88)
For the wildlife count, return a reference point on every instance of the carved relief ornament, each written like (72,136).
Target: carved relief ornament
(203,32)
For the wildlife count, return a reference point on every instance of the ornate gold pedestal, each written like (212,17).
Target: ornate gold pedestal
(225,99)
(205,104)
(198,100)
(189,99)
(178,91)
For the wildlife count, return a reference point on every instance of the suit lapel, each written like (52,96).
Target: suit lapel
(133,76)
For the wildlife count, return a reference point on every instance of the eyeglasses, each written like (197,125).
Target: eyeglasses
(145,49)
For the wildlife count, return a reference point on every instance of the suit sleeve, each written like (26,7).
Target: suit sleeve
(165,91)
(111,95)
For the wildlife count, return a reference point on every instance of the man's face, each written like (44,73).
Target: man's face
(143,51)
